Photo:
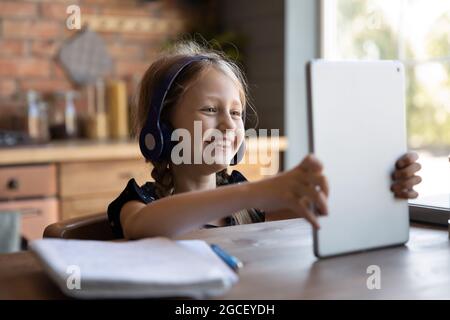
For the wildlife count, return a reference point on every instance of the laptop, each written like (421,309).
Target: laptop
(357,129)
(431,209)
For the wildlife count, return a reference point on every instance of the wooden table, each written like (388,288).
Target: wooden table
(279,264)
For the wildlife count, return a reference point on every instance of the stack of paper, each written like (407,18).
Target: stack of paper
(156,267)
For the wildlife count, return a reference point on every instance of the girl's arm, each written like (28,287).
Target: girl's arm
(177,214)
(293,190)
(282,214)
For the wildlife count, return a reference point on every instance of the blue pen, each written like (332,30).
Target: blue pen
(233,262)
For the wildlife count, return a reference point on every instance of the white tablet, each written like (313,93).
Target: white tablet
(357,129)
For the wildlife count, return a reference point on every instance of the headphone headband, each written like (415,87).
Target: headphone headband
(155,137)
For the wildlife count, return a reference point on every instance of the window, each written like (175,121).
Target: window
(416,32)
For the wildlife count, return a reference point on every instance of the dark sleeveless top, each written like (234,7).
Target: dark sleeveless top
(146,194)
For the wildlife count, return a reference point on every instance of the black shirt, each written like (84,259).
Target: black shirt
(146,194)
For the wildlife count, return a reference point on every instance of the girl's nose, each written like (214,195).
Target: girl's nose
(226,122)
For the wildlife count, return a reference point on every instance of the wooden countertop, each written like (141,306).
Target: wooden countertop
(85,150)
(77,150)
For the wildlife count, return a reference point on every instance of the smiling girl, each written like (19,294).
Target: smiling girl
(209,89)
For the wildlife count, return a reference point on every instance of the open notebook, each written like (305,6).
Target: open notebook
(156,267)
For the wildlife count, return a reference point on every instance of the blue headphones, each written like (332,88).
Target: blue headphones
(154,139)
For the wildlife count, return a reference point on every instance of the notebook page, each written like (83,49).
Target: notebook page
(149,267)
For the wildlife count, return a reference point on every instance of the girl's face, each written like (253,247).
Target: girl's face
(212,100)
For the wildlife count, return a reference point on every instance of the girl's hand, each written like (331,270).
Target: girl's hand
(404,178)
(298,190)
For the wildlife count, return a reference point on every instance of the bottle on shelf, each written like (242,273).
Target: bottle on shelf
(44,129)
(33,115)
(70,116)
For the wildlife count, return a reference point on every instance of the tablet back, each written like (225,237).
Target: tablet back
(357,129)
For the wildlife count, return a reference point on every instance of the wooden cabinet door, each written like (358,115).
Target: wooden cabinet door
(36,214)
(100,177)
(74,208)
(27,181)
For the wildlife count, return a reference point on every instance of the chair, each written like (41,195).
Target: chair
(92,227)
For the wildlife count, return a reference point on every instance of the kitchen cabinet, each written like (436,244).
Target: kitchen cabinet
(36,214)
(88,187)
(30,190)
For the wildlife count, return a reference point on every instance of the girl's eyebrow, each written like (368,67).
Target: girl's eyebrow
(218,99)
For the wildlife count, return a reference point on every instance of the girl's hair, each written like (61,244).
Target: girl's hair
(162,173)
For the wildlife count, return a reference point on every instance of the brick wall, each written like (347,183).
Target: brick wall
(31,33)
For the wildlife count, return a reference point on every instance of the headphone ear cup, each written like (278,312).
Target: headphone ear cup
(239,154)
(167,143)
(150,143)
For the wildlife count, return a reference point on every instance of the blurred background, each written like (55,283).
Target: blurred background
(70,70)
(417,33)
(40,59)
(69,76)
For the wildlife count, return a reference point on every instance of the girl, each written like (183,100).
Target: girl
(213,91)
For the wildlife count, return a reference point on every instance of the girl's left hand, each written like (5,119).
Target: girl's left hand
(404,178)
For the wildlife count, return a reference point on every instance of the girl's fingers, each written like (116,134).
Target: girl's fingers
(406,194)
(316,179)
(406,160)
(408,183)
(318,198)
(407,171)
(311,163)
(303,208)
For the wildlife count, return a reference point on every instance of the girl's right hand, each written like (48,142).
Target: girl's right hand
(298,190)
